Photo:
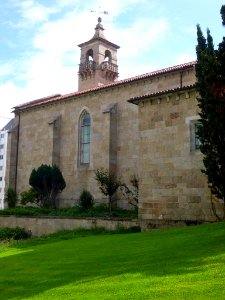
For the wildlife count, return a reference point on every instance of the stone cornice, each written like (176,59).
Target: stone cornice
(146,97)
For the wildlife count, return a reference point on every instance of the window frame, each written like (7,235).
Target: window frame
(192,122)
(195,142)
(84,138)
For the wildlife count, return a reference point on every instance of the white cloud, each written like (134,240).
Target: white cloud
(185,57)
(9,94)
(31,12)
(118,7)
(7,69)
(143,35)
(35,12)
(137,69)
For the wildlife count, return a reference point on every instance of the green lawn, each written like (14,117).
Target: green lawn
(183,263)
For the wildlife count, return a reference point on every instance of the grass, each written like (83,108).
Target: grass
(183,263)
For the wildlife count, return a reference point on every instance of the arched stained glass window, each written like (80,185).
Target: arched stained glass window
(85,126)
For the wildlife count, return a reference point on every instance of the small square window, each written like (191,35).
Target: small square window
(2,135)
(0,178)
(1,168)
(1,146)
(1,156)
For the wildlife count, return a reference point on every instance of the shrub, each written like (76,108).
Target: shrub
(11,197)
(16,233)
(76,211)
(86,200)
(131,193)
(101,207)
(48,182)
(108,184)
(25,211)
(30,196)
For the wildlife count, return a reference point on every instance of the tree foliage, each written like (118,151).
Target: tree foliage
(11,197)
(30,197)
(222,11)
(210,72)
(47,181)
(108,183)
(131,193)
(86,200)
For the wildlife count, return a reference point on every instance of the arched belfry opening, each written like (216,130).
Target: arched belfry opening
(98,60)
(89,55)
(108,56)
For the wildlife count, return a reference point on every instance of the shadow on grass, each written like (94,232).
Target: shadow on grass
(47,266)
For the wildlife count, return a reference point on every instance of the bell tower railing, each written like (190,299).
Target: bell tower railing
(109,66)
(92,66)
(87,66)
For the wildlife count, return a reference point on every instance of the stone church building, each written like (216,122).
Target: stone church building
(144,125)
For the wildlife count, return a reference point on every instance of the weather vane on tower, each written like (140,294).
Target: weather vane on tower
(99,12)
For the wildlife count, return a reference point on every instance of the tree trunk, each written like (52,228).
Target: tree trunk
(110,204)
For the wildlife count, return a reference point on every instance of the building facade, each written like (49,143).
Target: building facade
(142,126)
(3,156)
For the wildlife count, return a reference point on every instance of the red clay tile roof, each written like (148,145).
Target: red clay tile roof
(58,97)
(136,100)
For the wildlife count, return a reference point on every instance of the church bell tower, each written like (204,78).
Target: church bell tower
(98,61)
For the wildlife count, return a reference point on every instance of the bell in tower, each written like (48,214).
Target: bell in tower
(98,61)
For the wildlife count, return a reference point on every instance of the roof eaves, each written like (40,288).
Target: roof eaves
(37,101)
(47,100)
(146,97)
(99,39)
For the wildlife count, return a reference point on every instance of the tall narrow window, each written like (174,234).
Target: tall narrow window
(195,141)
(85,126)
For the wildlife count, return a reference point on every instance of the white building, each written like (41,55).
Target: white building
(3,152)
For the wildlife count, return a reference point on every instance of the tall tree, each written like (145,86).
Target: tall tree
(210,72)
(222,11)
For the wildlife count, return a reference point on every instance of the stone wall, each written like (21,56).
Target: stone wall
(172,186)
(47,225)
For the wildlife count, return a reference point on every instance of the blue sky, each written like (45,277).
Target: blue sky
(38,40)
